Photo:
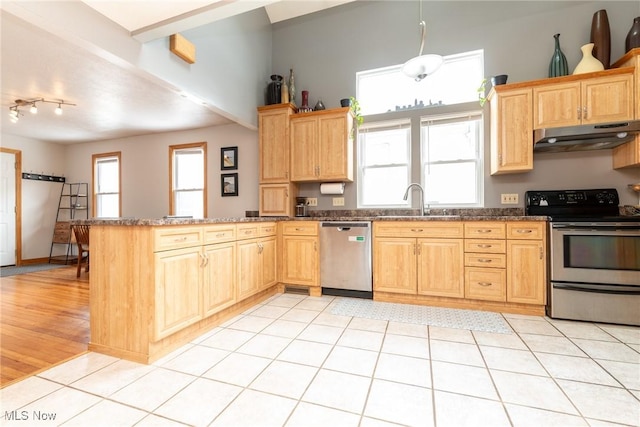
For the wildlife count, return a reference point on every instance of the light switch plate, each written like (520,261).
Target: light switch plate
(338,201)
(509,199)
(312,201)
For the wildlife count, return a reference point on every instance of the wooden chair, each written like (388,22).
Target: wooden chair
(82,239)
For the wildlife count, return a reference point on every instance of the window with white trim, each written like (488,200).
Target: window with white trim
(188,184)
(106,185)
(429,132)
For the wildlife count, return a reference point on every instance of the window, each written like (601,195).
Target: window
(428,132)
(384,162)
(106,198)
(188,165)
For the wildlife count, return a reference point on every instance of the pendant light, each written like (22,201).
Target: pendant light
(421,66)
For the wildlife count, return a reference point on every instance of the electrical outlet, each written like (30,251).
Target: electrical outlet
(338,201)
(312,201)
(509,199)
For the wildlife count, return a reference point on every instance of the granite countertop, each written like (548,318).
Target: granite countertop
(479,214)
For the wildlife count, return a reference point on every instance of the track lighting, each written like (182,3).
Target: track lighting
(15,113)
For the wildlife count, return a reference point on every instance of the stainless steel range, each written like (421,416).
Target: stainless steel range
(594,272)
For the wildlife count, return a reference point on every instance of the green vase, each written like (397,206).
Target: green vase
(558,65)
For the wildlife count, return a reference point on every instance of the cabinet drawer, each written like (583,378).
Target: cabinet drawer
(267,229)
(485,246)
(62,232)
(526,230)
(300,228)
(176,237)
(485,284)
(450,229)
(484,230)
(248,231)
(219,233)
(485,260)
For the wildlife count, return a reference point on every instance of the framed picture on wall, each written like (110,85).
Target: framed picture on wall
(229,158)
(229,184)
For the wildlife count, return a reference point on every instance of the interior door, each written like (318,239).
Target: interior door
(7,209)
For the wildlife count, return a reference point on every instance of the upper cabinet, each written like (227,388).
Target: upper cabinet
(322,146)
(595,100)
(600,97)
(273,139)
(511,131)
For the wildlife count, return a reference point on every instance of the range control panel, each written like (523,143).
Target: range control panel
(604,201)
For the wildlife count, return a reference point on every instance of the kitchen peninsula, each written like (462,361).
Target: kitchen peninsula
(156,284)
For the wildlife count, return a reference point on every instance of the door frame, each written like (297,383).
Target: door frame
(18,190)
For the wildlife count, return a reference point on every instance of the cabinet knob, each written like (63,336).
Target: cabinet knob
(524,230)
(484,230)
(484,283)
(485,246)
(485,260)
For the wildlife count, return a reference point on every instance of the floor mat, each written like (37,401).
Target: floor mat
(424,315)
(13,270)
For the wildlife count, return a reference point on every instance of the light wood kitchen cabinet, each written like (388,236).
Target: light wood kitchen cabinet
(485,260)
(419,258)
(277,199)
(273,143)
(511,130)
(603,99)
(322,146)
(526,266)
(628,155)
(300,263)
(219,290)
(256,258)
(178,284)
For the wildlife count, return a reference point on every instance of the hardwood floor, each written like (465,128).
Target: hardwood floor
(44,320)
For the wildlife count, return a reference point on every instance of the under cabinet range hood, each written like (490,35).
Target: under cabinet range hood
(585,137)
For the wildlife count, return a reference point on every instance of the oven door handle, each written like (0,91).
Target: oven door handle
(601,289)
(605,228)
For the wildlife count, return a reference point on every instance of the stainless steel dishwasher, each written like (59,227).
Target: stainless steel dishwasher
(345,258)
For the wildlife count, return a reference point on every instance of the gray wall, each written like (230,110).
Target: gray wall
(326,50)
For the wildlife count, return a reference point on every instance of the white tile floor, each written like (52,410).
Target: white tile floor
(290,362)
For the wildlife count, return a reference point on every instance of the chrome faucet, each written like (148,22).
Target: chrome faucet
(406,195)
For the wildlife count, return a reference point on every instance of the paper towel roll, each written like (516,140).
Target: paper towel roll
(332,188)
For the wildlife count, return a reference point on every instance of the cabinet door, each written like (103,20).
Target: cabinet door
(526,272)
(441,267)
(267,251)
(273,137)
(607,99)
(219,288)
(304,149)
(248,268)
(394,265)
(277,199)
(178,279)
(300,260)
(512,132)
(336,149)
(557,105)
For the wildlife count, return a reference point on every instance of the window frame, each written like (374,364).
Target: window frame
(95,158)
(183,147)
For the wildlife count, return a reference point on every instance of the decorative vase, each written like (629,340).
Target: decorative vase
(319,105)
(273,90)
(633,38)
(601,38)
(284,93)
(588,63)
(558,65)
(305,102)
(292,87)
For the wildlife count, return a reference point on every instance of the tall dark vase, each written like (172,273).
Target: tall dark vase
(274,90)
(558,65)
(633,38)
(601,38)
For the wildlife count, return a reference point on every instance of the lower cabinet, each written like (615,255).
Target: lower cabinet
(219,287)
(485,261)
(178,284)
(300,263)
(527,267)
(419,265)
(256,259)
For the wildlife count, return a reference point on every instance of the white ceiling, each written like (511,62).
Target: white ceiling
(112,101)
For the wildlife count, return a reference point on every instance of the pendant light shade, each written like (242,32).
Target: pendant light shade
(422,66)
